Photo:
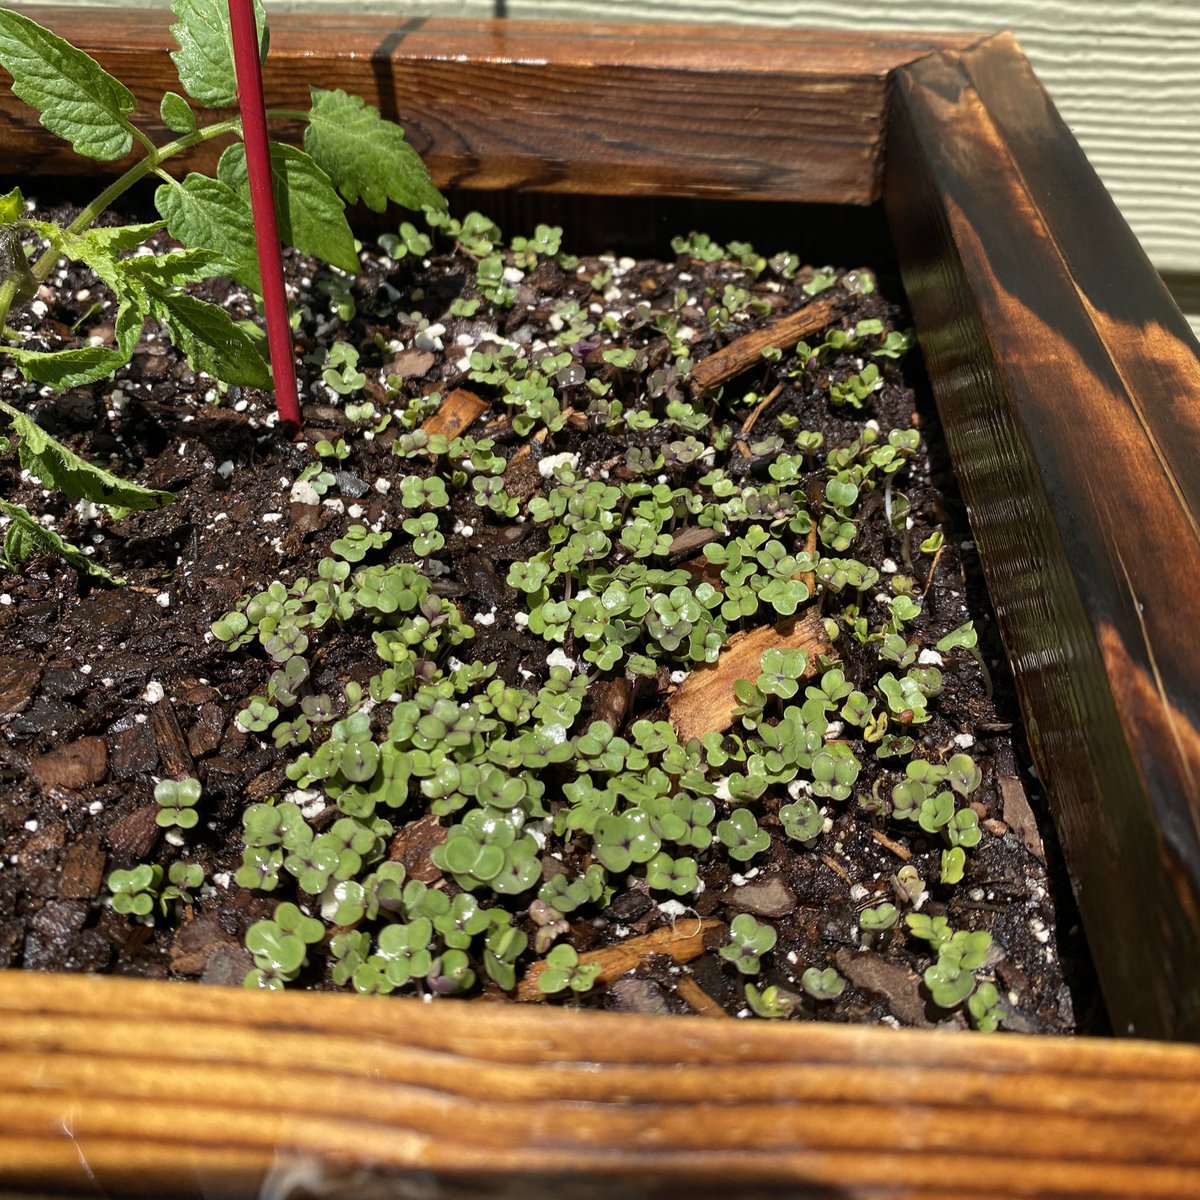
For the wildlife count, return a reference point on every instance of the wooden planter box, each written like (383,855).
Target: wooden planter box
(1070,391)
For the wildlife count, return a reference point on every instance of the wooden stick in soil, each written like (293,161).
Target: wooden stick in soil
(698,999)
(761,407)
(262,204)
(457,412)
(937,558)
(901,852)
(743,353)
(809,578)
(837,868)
(682,941)
(705,701)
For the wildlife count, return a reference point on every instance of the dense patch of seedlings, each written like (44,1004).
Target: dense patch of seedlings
(640,605)
(646,525)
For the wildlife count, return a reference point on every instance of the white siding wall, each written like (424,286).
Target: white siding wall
(1124,73)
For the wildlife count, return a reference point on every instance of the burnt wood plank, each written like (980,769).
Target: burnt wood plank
(362,1096)
(1069,388)
(608,109)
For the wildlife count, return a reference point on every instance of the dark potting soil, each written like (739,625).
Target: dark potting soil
(106,690)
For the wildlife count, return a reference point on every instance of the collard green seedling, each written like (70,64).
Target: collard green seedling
(876,921)
(350,152)
(563,970)
(985,1008)
(749,940)
(177,802)
(134,891)
(771,1002)
(822,985)
(280,946)
(185,878)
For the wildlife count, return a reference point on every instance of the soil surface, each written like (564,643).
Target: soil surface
(104,691)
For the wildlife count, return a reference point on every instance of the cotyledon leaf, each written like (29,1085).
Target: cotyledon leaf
(75,97)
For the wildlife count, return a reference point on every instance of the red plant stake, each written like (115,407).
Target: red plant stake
(262,203)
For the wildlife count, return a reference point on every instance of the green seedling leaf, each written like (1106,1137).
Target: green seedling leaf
(76,98)
(204,59)
(954,862)
(822,985)
(965,636)
(176,113)
(210,339)
(206,212)
(311,215)
(366,156)
(25,537)
(130,277)
(58,467)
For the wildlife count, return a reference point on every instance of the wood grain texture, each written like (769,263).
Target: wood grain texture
(373,1097)
(606,109)
(1070,392)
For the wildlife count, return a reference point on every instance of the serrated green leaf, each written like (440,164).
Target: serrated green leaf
(200,211)
(107,240)
(176,113)
(12,207)
(61,369)
(59,467)
(209,338)
(100,246)
(310,214)
(25,537)
(75,97)
(174,268)
(365,155)
(204,59)
(85,364)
